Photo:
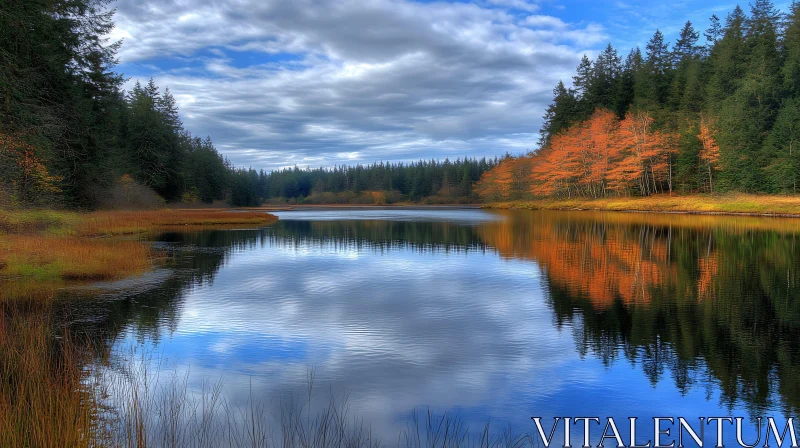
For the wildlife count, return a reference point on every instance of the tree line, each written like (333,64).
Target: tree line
(379,183)
(712,116)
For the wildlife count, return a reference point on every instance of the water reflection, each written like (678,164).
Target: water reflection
(678,294)
(497,315)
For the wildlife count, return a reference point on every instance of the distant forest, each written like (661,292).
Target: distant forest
(380,183)
(716,114)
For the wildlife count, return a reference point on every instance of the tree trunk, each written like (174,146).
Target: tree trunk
(710,182)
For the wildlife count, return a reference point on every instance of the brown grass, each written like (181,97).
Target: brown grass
(745,204)
(122,223)
(43,399)
(50,247)
(73,258)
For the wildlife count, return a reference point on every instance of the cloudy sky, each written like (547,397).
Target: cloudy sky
(279,83)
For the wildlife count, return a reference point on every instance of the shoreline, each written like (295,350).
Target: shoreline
(727,205)
(44,250)
(297,207)
(734,204)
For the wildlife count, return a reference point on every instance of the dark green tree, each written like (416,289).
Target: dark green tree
(560,114)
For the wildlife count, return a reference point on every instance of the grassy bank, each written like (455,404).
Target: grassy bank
(53,246)
(744,204)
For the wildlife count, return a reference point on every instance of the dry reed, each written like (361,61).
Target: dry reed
(50,246)
(44,401)
(120,223)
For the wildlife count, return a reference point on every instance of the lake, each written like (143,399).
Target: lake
(488,315)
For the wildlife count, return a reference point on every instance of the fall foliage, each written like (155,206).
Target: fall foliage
(22,173)
(709,154)
(596,158)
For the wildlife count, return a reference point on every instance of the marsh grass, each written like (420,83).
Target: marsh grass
(36,221)
(738,203)
(55,246)
(73,258)
(126,223)
(44,401)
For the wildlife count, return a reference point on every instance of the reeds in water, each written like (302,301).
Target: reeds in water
(44,399)
(52,394)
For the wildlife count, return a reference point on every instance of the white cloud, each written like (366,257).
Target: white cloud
(541,21)
(278,83)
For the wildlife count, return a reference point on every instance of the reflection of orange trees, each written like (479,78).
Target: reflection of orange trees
(600,260)
(709,268)
(703,298)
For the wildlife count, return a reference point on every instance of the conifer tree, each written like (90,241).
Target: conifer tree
(560,113)
(603,89)
(714,32)
(657,67)
(583,88)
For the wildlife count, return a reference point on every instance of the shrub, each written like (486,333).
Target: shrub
(128,194)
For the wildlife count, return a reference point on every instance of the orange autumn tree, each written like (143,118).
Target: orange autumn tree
(596,158)
(599,151)
(508,180)
(709,154)
(578,160)
(646,155)
(22,173)
(555,168)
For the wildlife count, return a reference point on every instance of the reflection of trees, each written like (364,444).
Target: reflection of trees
(702,301)
(705,299)
(150,306)
(377,235)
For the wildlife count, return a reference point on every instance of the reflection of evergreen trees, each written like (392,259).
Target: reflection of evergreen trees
(723,306)
(153,304)
(378,235)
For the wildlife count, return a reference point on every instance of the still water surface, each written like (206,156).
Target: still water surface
(494,315)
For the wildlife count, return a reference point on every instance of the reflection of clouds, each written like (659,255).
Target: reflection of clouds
(399,330)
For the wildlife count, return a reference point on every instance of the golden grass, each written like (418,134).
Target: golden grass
(122,223)
(43,398)
(54,246)
(72,258)
(36,221)
(739,203)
